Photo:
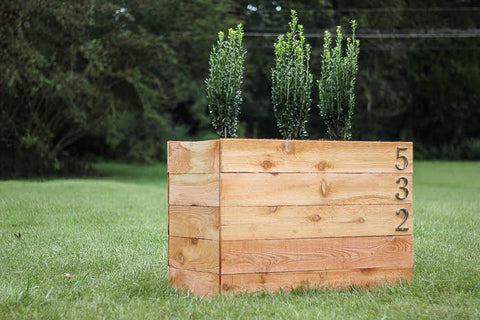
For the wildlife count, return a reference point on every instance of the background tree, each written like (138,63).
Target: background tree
(114,78)
(118,78)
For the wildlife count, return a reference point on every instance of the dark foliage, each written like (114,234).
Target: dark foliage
(119,78)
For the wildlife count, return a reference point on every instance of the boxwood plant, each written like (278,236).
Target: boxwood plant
(292,81)
(224,93)
(337,85)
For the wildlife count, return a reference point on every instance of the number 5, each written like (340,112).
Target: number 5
(401,156)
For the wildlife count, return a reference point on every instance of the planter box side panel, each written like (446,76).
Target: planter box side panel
(311,189)
(194,189)
(297,222)
(193,216)
(249,214)
(338,279)
(321,254)
(194,222)
(193,156)
(256,155)
(198,283)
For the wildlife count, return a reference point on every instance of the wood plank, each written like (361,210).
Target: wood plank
(338,279)
(193,254)
(194,222)
(193,189)
(252,256)
(286,189)
(256,155)
(193,156)
(244,223)
(198,283)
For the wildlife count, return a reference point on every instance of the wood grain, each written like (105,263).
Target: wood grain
(256,155)
(194,222)
(338,279)
(253,256)
(300,189)
(193,254)
(193,156)
(193,189)
(243,223)
(198,283)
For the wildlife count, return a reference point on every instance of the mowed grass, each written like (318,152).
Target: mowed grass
(110,234)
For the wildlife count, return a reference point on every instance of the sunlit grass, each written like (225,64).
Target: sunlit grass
(110,234)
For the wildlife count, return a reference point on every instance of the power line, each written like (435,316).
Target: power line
(450,9)
(393,48)
(472,33)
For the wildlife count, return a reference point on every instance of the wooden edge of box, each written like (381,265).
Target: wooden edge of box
(194,254)
(193,189)
(296,222)
(333,279)
(313,189)
(196,282)
(318,254)
(193,156)
(194,221)
(271,155)
(260,155)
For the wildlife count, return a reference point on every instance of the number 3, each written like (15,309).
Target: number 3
(401,156)
(404,188)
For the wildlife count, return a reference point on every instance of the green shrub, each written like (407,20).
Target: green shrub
(224,93)
(292,82)
(337,85)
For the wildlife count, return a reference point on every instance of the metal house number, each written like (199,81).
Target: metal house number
(401,156)
(403,188)
(402,165)
(405,217)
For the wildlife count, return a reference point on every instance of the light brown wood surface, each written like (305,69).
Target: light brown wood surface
(193,156)
(193,254)
(300,189)
(198,283)
(243,223)
(252,214)
(273,282)
(193,189)
(256,155)
(254,256)
(194,221)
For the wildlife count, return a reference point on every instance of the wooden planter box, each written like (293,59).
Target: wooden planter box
(250,215)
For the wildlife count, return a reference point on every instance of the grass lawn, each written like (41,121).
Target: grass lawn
(110,234)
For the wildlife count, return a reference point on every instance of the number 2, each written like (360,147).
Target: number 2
(401,156)
(405,211)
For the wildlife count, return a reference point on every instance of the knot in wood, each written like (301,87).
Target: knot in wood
(315,217)
(323,187)
(262,279)
(288,147)
(323,165)
(267,164)
(194,241)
